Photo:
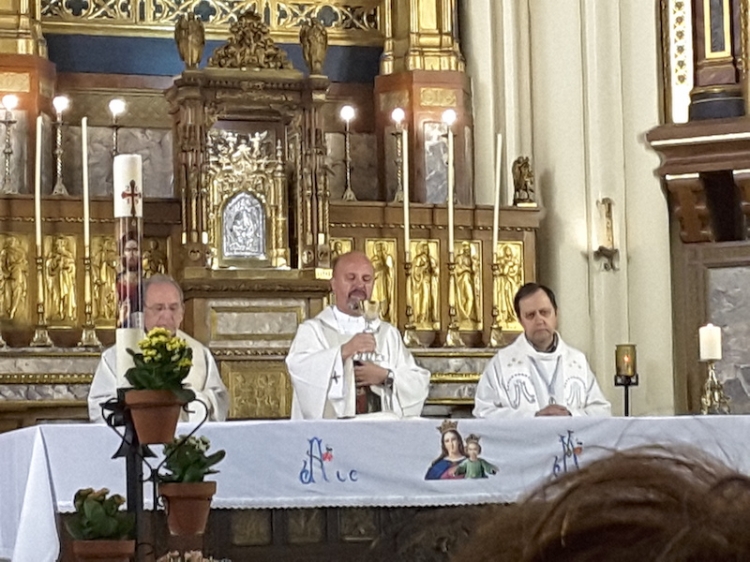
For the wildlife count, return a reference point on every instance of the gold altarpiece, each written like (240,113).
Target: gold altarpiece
(249,149)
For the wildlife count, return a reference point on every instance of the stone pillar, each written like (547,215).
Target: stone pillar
(26,73)
(422,72)
(496,43)
(596,92)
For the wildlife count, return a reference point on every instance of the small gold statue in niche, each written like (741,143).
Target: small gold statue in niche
(381,254)
(60,270)
(14,267)
(104,276)
(340,246)
(154,259)
(510,279)
(425,277)
(468,287)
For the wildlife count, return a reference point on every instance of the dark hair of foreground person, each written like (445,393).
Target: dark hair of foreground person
(648,504)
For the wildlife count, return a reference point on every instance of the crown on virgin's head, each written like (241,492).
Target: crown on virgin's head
(447,425)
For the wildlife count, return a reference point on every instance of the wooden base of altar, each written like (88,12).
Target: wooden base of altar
(320,535)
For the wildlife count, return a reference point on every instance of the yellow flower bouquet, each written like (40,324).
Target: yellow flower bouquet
(162,364)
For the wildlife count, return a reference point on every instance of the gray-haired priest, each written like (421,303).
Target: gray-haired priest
(164,308)
(342,366)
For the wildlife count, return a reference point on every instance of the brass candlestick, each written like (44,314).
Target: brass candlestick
(347,114)
(41,336)
(496,331)
(410,332)
(61,104)
(453,337)
(116,108)
(399,136)
(88,334)
(713,399)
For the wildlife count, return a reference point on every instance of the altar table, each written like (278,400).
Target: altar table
(284,464)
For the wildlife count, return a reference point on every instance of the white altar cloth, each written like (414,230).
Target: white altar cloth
(280,464)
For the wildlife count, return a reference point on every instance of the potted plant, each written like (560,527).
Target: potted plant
(100,529)
(158,392)
(187,498)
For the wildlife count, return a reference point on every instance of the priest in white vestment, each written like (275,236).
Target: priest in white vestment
(337,356)
(538,374)
(164,308)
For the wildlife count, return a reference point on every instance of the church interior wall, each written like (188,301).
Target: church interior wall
(595,90)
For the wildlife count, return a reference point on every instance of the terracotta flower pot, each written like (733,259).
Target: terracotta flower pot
(155,414)
(187,505)
(104,550)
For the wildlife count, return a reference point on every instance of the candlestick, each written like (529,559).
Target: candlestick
(85,181)
(88,333)
(38,186)
(625,360)
(710,342)
(116,108)
(347,114)
(449,117)
(498,181)
(402,148)
(10,102)
(626,373)
(61,104)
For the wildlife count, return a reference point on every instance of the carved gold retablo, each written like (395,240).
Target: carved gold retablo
(250,47)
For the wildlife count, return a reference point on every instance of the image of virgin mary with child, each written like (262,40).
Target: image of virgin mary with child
(451,455)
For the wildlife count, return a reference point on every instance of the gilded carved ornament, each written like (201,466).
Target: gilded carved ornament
(250,47)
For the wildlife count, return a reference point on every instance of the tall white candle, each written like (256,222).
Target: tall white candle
(85,179)
(496,209)
(451,189)
(38,186)
(405,184)
(85,196)
(710,342)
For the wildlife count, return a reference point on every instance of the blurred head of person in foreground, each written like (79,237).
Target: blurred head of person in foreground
(642,505)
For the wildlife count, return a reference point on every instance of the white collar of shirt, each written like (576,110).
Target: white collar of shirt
(349,324)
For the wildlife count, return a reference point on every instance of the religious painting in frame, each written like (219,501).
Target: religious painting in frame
(425,284)
(468,300)
(510,278)
(435,162)
(382,254)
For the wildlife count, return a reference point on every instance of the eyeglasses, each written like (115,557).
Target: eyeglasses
(159,308)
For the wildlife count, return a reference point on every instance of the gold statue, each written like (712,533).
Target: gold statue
(382,288)
(14,265)
(510,278)
(105,275)
(424,278)
(314,40)
(61,280)
(190,36)
(467,266)
(523,183)
(154,260)
(250,47)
